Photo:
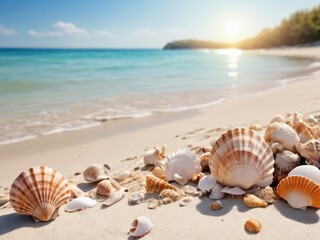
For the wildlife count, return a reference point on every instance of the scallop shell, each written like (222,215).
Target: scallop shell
(240,157)
(308,171)
(181,165)
(80,203)
(105,188)
(253,201)
(284,162)
(253,226)
(115,197)
(95,172)
(282,133)
(207,183)
(140,226)
(216,192)
(39,192)
(216,205)
(156,185)
(311,151)
(185,201)
(300,192)
(153,156)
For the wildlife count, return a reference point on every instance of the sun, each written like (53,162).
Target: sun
(232,29)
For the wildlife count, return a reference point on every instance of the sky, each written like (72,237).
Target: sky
(136,23)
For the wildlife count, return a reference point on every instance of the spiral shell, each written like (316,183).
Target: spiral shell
(156,185)
(240,157)
(253,201)
(216,205)
(105,188)
(39,192)
(94,173)
(300,192)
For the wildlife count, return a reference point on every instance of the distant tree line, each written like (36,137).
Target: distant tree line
(302,27)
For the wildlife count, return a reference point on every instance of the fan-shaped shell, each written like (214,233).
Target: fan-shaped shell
(156,185)
(183,163)
(300,192)
(79,204)
(95,172)
(105,188)
(282,133)
(140,226)
(39,192)
(240,157)
(308,171)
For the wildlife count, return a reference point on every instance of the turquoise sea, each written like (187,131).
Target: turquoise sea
(45,91)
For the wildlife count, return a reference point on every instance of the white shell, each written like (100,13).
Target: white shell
(140,226)
(308,171)
(123,175)
(206,183)
(95,172)
(182,163)
(282,133)
(216,192)
(240,157)
(115,197)
(185,201)
(79,204)
(233,191)
(153,156)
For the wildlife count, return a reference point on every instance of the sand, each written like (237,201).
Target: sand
(121,144)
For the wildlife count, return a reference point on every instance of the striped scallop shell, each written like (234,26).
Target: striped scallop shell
(95,172)
(241,158)
(156,185)
(39,192)
(283,134)
(300,192)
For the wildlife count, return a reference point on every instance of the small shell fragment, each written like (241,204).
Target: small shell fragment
(253,225)
(116,197)
(206,183)
(253,201)
(153,203)
(216,205)
(185,201)
(80,203)
(136,198)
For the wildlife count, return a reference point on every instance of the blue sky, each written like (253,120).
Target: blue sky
(136,23)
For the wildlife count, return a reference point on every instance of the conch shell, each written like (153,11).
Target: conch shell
(39,192)
(283,134)
(181,165)
(241,152)
(156,185)
(253,201)
(311,151)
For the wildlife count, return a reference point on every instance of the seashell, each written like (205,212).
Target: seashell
(136,198)
(190,190)
(153,156)
(311,151)
(185,201)
(122,175)
(4,198)
(207,183)
(284,162)
(253,201)
(181,165)
(241,152)
(267,194)
(140,226)
(159,173)
(233,191)
(280,118)
(80,203)
(153,203)
(276,147)
(179,179)
(95,172)
(105,188)
(39,192)
(216,192)
(204,160)
(253,225)
(216,205)
(75,191)
(156,185)
(174,195)
(283,134)
(300,192)
(308,171)
(304,130)
(197,177)
(115,197)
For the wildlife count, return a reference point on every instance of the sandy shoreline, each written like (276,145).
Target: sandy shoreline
(116,141)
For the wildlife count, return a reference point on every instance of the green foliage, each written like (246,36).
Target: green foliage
(301,27)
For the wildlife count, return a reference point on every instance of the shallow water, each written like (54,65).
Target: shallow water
(45,91)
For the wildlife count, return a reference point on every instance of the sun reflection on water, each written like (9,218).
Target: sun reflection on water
(233,55)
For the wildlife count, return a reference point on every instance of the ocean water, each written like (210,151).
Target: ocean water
(46,91)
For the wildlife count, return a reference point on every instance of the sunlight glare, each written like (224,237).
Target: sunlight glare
(232,29)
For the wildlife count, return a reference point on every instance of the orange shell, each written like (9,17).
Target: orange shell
(105,188)
(39,192)
(300,192)
(241,158)
(156,185)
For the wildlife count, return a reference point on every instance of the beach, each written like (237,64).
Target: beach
(121,144)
